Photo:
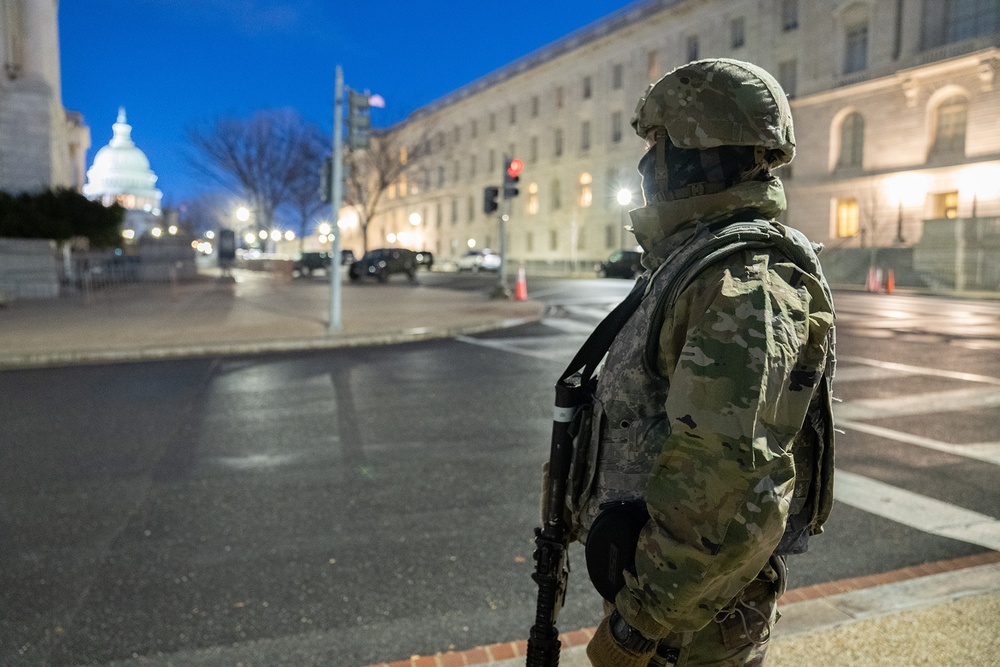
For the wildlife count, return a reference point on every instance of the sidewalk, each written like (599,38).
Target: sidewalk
(944,614)
(252,313)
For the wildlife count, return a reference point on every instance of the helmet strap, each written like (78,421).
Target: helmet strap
(662,177)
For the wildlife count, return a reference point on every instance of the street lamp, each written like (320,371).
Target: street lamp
(624,198)
(242,214)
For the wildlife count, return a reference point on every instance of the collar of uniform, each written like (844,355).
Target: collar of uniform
(661,227)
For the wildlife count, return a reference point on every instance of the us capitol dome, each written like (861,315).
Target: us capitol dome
(121,173)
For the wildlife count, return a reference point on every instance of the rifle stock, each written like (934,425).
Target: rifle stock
(551,539)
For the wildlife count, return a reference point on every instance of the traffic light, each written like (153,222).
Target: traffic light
(490,194)
(511,175)
(326,180)
(359,120)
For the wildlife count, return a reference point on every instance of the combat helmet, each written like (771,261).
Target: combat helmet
(720,102)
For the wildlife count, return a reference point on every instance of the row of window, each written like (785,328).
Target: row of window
(848,213)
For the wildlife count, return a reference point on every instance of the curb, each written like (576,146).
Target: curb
(21,361)
(509,651)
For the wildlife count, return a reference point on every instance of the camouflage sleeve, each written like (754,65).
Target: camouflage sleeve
(719,493)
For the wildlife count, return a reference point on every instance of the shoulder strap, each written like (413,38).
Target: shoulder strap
(597,344)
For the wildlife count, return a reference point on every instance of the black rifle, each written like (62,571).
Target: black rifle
(574,396)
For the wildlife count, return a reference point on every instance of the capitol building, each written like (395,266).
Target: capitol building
(121,174)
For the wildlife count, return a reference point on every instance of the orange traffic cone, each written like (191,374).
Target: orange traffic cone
(890,282)
(521,288)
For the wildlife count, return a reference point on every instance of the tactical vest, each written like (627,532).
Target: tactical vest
(629,425)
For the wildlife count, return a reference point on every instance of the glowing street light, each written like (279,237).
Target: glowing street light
(415,219)
(242,214)
(325,229)
(624,198)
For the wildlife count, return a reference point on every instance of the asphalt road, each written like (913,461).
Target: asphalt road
(359,506)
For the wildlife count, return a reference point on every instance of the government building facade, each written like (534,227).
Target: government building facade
(42,145)
(896,109)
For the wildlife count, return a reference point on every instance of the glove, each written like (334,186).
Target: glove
(604,651)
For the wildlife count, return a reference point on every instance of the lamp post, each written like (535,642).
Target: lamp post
(624,198)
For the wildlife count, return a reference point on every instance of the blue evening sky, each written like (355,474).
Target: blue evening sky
(174,64)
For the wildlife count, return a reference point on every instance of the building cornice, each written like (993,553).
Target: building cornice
(909,77)
(625,17)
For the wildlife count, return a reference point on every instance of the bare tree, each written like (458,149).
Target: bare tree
(261,156)
(369,173)
(304,196)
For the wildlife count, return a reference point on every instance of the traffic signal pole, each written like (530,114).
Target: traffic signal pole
(336,195)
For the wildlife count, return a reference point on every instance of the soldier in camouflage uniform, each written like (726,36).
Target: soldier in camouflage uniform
(713,404)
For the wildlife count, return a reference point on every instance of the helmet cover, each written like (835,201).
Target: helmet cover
(719,102)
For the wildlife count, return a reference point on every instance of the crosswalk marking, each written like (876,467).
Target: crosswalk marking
(919,404)
(916,370)
(875,497)
(988,452)
(916,511)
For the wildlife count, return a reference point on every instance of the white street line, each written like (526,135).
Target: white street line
(596,313)
(869,373)
(916,511)
(918,404)
(985,451)
(569,326)
(505,347)
(921,370)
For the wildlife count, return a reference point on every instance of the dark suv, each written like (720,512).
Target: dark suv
(621,264)
(384,262)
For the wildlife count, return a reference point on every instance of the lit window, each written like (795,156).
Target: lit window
(949,128)
(856,48)
(586,197)
(653,65)
(402,155)
(402,185)
(848,218)
(852,141)
(944,205)
(532,206)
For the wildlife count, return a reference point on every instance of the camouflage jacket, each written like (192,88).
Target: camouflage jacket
(710,428)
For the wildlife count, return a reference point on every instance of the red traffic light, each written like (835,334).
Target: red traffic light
(514,167)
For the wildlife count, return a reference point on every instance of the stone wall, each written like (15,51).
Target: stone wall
(29,269)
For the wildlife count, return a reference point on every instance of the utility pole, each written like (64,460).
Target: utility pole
(336,195)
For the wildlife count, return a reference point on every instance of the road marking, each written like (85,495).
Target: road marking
(505,347)
(918,404)
(921,370)
(568,326)
(988,452)
(916,511)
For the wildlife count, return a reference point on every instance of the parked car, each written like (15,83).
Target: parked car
(425,258)
(621,264)
(383,262)
(479,260)
(307,262)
